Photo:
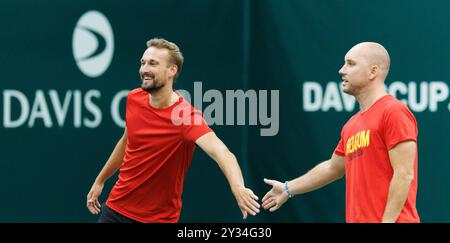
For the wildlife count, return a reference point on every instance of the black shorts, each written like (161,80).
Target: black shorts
(110,216)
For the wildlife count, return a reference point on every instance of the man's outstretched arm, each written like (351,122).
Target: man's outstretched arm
(227,162)
(321,175)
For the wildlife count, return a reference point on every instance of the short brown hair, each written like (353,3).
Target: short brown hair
(176,57)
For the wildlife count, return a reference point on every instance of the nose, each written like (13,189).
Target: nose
(342,71)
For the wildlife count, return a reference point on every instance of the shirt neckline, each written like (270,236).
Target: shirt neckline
(374,104)
(180,99)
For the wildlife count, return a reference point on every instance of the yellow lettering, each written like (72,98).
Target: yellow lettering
(349,142)
(348,147)
(357,141)
(365,139)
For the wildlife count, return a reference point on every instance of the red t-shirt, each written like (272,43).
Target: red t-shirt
(157,156)
(365,142)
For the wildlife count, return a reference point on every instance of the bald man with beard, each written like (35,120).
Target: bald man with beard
(377,151)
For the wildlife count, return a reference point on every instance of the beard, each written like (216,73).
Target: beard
(351,89)
(151,85)
(347,90)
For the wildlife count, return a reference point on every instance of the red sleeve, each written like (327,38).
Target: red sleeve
(196,128)
(399,126)
(339,150)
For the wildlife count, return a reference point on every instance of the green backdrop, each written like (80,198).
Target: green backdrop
(228,45)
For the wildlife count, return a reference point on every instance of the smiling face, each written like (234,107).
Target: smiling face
(156,69)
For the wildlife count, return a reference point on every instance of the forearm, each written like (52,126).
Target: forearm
(320,176)
(114,162)
(398,192)
(229,166)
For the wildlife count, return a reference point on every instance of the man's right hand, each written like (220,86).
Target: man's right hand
(92,198)
(275,197)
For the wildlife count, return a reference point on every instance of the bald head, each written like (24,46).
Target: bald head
(374,54)
(365,69)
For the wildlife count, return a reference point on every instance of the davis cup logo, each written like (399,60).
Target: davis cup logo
(93,44)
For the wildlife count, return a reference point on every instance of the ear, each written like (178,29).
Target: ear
(173,69)
(373,72)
